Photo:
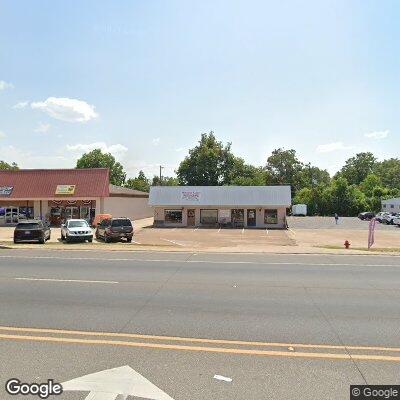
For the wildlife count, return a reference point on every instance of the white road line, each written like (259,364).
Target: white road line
(65,280)
(134,241)
(266,231)
(172,241)
(219,230)
(242,231)
(199,261)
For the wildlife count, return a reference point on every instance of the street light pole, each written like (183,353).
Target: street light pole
(161,167)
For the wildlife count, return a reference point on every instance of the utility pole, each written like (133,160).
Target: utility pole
(161,167)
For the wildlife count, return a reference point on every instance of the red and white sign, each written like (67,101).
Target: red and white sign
(191,196)
(371,232)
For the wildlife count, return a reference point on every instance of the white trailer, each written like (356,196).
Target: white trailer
(299,209)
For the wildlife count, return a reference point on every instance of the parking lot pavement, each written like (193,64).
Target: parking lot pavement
(329,223)
(211,238)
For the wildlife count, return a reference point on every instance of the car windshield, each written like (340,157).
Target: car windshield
(77,224)
(29,225)
(121,222)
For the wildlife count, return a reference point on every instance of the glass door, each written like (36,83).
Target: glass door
(71,213)
(11,215)
(85,213)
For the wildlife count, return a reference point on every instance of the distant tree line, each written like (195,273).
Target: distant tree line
(359,185)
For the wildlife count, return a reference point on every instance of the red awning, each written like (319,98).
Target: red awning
(43,183)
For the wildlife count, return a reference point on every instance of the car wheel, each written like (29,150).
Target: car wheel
(42,240)
(90,240)
(129,240)
(106,238)
(97,235)
(62,236)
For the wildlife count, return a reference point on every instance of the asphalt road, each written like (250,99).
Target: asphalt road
(280,326)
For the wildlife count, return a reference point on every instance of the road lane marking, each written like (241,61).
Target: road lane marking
(197,340)
(64,280)
(305,263)
(274,353)
(172,241)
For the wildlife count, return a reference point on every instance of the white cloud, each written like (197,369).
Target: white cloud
(377,134)
(65,109)
(327,148)
(115,149)
(2,135)
(42,127)
(179,149)
(21,104)
(156,141)
(5,85)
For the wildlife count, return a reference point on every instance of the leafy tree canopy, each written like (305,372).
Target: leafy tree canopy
(12,166)
(358,167)
(138,183)
(97,159)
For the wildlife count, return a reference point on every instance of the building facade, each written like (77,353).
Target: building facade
(391,205)
(59,194)
(230,206)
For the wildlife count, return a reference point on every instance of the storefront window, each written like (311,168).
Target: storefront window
(270,216)
(208,217)
(173,216)
(238,217)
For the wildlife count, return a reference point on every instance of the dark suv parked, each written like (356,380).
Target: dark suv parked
(31,231)
(367,215)
(115,229)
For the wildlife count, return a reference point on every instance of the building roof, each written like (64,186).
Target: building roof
(119,191)
(42,183)
(220,196)
(395,200)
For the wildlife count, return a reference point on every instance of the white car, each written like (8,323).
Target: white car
(76,230)
(396,221)
(388,219)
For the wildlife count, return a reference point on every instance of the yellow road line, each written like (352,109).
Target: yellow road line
(203,349)
(197,340)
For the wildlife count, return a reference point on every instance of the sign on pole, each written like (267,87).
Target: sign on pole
(371,233)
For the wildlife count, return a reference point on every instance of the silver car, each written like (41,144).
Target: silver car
(76,230)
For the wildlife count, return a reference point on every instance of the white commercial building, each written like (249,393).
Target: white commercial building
(391,205)
(231,206)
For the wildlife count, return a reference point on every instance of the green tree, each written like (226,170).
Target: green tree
(166,181)
(97,159)
(370,182)
(138,183)
(344,199)
(357,168)
(283,167)
(208,163)
(311,176)
(12,166)
(389,172)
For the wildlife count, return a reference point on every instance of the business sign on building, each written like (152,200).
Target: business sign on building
(191,196)
(65,189)
(6,190)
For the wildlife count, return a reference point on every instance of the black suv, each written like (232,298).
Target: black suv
(367,215)
(31,231)
(115,229)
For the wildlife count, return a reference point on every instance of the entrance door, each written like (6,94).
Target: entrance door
(85,214)
(251,218)
(11,215)
(71,213)
(237,217)
(191,217)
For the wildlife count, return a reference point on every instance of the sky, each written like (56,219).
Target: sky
(143,79)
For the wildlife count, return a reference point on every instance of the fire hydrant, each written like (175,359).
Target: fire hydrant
(346,244)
